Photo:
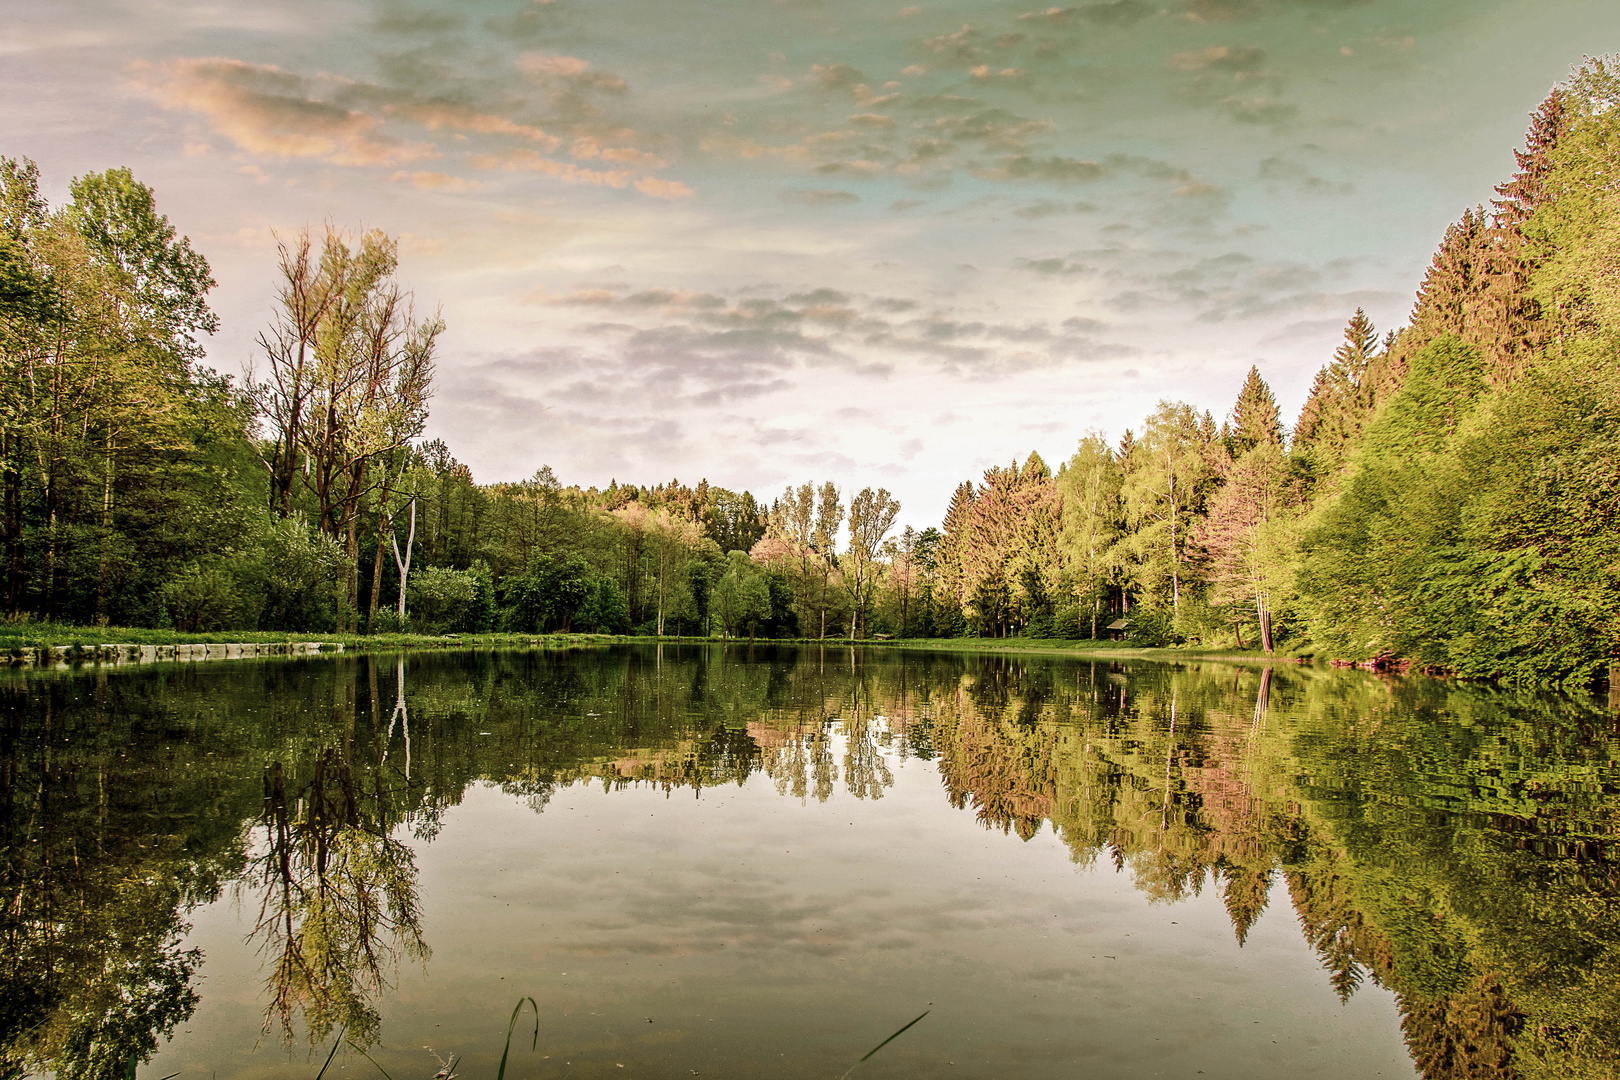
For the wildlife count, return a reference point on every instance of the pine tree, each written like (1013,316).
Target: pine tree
(948,575)
(1444,298)
(1309,424)
(1478,286)
(1255,417)
(1519,197)
(1360,345)
(1343,397)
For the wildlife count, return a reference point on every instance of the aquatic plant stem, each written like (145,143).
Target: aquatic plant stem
(876,1048)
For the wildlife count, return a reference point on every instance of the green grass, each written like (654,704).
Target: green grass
(1102,650)
(38,635)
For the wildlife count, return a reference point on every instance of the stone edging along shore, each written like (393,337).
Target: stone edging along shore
(122,655)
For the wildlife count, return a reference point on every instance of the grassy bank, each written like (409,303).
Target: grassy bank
(34,635)
(1090,649)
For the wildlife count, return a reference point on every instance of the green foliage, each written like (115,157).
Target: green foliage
(117,216)
(439,599)
(291,576)
(201,598)
(548,594)
(605,609)
(1153,627)
(742,597)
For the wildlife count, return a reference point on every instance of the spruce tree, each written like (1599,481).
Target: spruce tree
(1518,198)
(1255,418)
(1309,425)
(1445,297)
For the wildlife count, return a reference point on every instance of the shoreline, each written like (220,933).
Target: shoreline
(57,646)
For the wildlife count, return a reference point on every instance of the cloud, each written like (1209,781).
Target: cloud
(436,116)
(704,348)
(996,128)
(663,189)
(1308,331)
(1281,170)
(552,66)
(435,181)
(1061,170)
(1259,110)
(1118,13)
(1053,267)
(589,148)
(958,45)
(1236,58)
(529,161)
(819,196)
(570,71)
(836,76)
(1219,10)
(267,110)
(1044,208)
(398,21)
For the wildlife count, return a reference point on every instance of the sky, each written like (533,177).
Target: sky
(884,243)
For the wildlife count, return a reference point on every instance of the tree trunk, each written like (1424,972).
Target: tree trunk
(105,570)
(1175,555)
(403,563)
(353,547)
(13,517)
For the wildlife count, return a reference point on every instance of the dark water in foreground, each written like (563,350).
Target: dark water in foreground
(713,863)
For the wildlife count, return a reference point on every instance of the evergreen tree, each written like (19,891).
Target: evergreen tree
(1309,424)
(1341,400)
(1255,417)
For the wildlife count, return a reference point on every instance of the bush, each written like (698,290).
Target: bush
(439,599)
(1152,627)
(288,577)
(605,609)
(200,598)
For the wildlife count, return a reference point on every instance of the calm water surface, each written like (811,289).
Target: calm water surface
(720,863)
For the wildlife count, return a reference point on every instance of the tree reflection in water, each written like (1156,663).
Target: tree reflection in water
(1451,843)
(338,904)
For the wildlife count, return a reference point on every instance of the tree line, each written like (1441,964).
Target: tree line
(1446,496)
(141,488)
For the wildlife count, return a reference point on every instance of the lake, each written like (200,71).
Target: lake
(735,862)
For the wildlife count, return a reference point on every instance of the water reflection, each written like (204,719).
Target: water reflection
(337,900)
(1453,844)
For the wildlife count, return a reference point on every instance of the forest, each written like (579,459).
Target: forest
(1446,498)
